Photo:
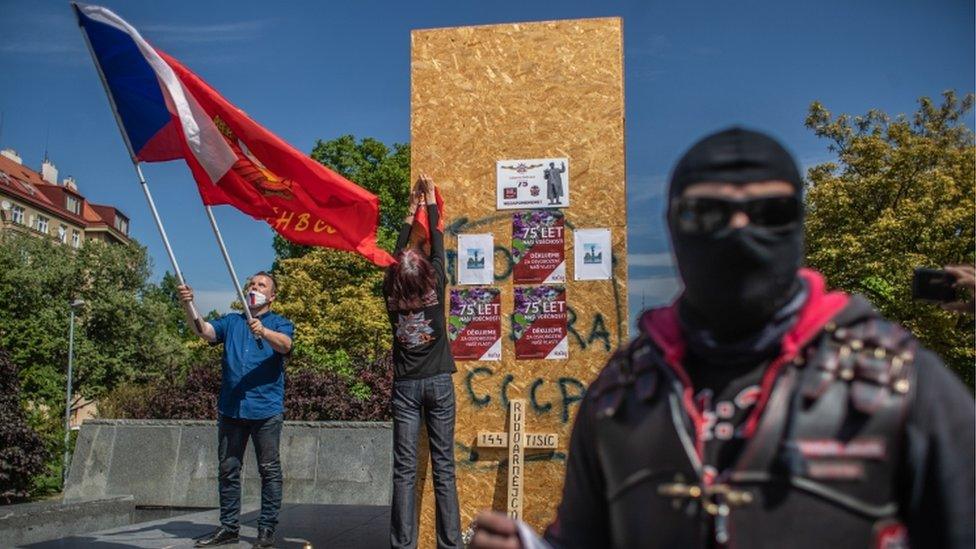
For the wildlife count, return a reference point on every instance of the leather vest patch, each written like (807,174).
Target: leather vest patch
(861,448)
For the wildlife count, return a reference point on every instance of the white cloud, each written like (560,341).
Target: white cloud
(654,46)
(208,300)
(648,225)
(234,31)
(650,260)
(646,187)
(32,46)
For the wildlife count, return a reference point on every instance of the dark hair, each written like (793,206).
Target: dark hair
(410,281)
(274,281)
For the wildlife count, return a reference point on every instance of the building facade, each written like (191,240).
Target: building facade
(36,203)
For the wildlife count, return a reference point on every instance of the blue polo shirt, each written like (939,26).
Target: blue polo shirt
(252,375)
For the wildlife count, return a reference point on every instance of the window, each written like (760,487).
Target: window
(18,214)
(71,203)
(122,224)
(42,224)
(63,233)
(75,239)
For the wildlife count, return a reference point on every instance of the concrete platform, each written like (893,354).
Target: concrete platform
(324,462)
(322,526)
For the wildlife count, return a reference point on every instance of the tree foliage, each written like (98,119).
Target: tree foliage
(334,300)
(900,196)
(128,331)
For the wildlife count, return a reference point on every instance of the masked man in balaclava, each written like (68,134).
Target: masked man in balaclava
(760,410)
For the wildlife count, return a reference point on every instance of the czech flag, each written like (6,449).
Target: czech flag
(167,112)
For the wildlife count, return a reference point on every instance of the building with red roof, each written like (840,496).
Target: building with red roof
(37,203)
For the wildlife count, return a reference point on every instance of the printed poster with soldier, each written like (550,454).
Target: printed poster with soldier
(532,183)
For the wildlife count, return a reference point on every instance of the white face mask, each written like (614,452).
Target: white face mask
(256,299)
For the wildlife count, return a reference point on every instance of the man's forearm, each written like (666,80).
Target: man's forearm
(278,341)
(200,327)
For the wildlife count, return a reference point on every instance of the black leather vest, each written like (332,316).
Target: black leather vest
(819,469)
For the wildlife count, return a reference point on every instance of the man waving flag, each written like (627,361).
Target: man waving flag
(167,112)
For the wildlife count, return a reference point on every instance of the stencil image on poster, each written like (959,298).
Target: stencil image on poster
(474,326)
(539,322)
(532,183)
(538,247)
(476,258)
(592,254)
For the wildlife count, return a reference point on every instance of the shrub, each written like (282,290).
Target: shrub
(325,396)
(22,450)
(362,393)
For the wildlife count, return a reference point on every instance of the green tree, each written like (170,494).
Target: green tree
(126,332)
(379,169)
(900,196)
(334,300)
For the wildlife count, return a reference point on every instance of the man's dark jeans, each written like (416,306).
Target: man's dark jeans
(232,435)
(434,398)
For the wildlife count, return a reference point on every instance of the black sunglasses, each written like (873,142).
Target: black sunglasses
(703,215)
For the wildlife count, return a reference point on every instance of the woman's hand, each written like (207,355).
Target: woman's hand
(417,199)
(414,201)
(427,187)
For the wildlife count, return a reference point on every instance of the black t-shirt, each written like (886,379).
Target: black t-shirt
(420,345)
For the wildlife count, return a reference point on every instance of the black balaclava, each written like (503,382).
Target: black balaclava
(736,280)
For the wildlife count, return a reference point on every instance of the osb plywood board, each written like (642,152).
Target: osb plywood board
(518,91)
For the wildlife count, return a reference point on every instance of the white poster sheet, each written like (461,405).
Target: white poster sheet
(532,183)
(476,258)
(592,254)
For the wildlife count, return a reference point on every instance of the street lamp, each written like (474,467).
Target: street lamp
(76,304)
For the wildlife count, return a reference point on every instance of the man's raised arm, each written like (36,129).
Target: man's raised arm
(199,326)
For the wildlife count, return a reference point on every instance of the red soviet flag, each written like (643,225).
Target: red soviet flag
(420,230)
(302,200)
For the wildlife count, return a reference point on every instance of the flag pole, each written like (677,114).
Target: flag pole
(142,179)
(227,261)
(230,268)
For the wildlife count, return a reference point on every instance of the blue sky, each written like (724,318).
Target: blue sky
(310,70)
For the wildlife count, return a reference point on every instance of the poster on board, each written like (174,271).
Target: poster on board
(539,322)
(592,254)
(538,247)
(532,183)
(474,325)
(476,258)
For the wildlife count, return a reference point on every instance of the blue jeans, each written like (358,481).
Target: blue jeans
(434,396)
(232,435)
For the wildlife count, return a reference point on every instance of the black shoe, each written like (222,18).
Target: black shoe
(220,536)
(265,537)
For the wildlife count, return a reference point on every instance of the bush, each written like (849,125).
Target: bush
(125,401)
(329,396)
(361,393)
(22,450)
(193,397)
